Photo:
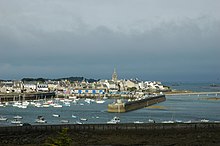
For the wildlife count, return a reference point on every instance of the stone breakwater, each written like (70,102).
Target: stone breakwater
(121,107)
(116,134)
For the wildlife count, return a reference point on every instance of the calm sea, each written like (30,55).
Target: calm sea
(181,108)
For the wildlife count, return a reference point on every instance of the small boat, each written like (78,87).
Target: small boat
(100,101)
(16,121)
(204,121)
(57,105)
(77,122)
(178,121)
(2,105)
(188,121)
(73,116)
(40,119)
(138,122)
(17,117)
(56,115)
(64,121)
(2,118)
(115,120)
(83,119)
(168,122)
(151,121)
(66,103)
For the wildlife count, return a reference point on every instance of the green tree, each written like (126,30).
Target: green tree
(61,140)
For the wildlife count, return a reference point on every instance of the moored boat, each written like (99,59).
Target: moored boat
(16,121)
(40,119)
(17,117)
(2,118)
(115,120)
(56,115)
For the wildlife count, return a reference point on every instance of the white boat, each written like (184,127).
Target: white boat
(178,121)
(22,106)
(2,118)
(57,105)
(26,103)
(40,119)
(64,121)
(2,105)
(167,122)
(100,101)
(188,121)
(115,120)
(83,119)
(66,103)
(77,122)
(73,116)
(151,121)
(16,121)
(138,122)
(204,121)
(56,115)
(17,117)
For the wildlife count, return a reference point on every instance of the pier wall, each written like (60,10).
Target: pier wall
(116,134)
(133,105)
(25,96)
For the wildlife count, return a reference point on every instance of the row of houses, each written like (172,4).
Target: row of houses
(84,87)
(64,86)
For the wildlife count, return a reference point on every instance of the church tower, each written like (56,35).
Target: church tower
(114,76)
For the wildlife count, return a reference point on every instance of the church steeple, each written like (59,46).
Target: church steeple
(114,76)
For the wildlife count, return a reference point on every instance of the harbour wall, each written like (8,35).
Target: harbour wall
(115,134)
(133,105)
(25,96)
(104,127)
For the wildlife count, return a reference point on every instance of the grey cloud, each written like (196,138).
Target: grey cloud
(57,42)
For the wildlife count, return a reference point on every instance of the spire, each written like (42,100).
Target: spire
(114,76)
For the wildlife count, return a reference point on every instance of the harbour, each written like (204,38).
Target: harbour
(181,109)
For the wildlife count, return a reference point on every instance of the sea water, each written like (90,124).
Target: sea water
(183,108)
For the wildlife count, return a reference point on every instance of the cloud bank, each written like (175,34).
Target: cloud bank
(146,39)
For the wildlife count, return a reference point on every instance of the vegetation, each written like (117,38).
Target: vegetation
(61,140)
(71,79)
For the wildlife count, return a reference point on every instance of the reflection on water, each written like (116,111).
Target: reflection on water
(180,108)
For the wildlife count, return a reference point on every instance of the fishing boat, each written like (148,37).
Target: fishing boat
(115,120)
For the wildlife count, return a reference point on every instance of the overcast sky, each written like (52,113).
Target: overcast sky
(167,40)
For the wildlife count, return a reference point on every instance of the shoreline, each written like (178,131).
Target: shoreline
(116,134)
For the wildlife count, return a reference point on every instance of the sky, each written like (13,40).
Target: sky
(172,40)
